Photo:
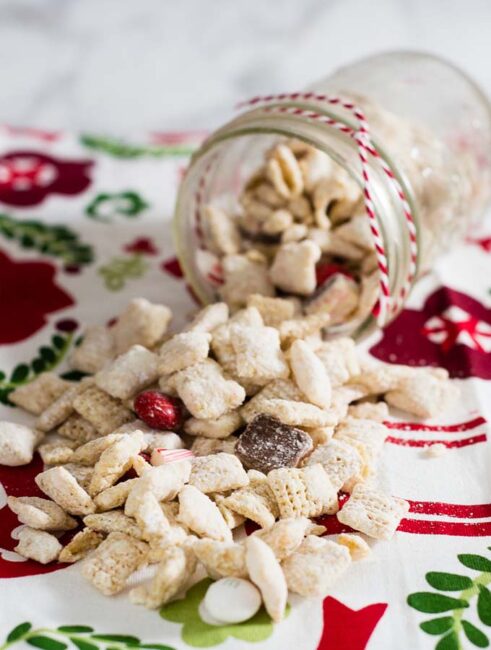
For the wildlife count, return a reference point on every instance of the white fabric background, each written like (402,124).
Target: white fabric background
(115,65)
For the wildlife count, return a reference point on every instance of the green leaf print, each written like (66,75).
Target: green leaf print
(18,631)
(473,591)
(120,269)
(121,149)
(198,634)
(106,205)
(46,643)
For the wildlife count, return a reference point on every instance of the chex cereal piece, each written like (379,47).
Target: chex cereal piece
(342,462)
(39,393)
(278,388)
(113,562)
(305,492)
(103,411)
(80,546)
(424,396)
(338,297)
(340,360)
(81,473)
(201,515)
(150,517)
(141,323)
(37,545)
(59,410)
(114,521)
(273,310)
(78,428)
(41,513)
(310,374)
(206,392)
(90,452)
(183,350)
(356,231)
(301,328)
(258,355)
(223,230)
(242,277)
(95,350)
(256,503)
(175,568)
(382,377)
(268,444)
(221,343)
(164,481)
(316,166)
(217,428)
(284,172)
(266,573)
(343,396)
(115,461)
(293,269)
(207,446)
(285,536)
(57,452)
(16,444)
(316,565)
(376,411)
(61,486)
(209,318)
(161,440)
(221,559)
(129,373)
(366,436)
(355,544)
(115,496)
(297,414)
(218,473)
(372,512)
(232,519)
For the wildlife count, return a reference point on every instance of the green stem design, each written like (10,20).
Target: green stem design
(120,269)
(49,358)
(121,149)
(483,579)
(52,240)
(80,637)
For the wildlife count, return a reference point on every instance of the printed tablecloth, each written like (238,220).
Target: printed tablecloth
(84,227)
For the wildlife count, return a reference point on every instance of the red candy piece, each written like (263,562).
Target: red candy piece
(324,271)
(158,410)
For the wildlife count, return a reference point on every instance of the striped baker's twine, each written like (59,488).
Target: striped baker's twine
(387,304)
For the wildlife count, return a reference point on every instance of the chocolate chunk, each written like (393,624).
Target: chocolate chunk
(268,444)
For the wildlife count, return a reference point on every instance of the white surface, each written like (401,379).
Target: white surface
(118,65)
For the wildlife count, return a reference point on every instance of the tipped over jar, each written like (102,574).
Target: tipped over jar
(290,200)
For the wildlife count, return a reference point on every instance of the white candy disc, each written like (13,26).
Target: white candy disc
(232,600)
(206,617)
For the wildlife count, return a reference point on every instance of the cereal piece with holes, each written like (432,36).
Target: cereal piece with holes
(208,318)
(258,355)
(57,452)
(39,393)
(341,461)
(141,323)
(17,444)
(164,481)
(218,473)
(242,277)
(206,392)
(183,350)
(221,559)
(37,545)
(114,561)
(80,545)
(217,428)
(114,521)
(372,512)
(96,349)
(424,396)
(298,414)
(338,297)
(115,461)
(61,486)
(78,429)
(340,360)
(61,409)
(256,503)
(129,373)
(293,269)
(285,536)
(305,492)
(279,388)
(90,452)
(104,412)
(41,514)
(273,310)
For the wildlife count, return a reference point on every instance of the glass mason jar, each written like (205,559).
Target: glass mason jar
(429,122)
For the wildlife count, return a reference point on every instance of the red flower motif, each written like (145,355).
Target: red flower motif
(348,629)
(18,481)
(142,245)
(452,330)
(172,267)
(483,242)
(28,293)
(28,177)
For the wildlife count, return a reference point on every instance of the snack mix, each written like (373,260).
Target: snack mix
(160,455)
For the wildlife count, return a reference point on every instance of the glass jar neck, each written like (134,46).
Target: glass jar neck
(226,160)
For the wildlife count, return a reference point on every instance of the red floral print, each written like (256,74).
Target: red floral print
(28,177)
(142,245)
(348,629)
(28,293)
(452,330)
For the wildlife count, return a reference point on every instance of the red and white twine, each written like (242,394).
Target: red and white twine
(387,304)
